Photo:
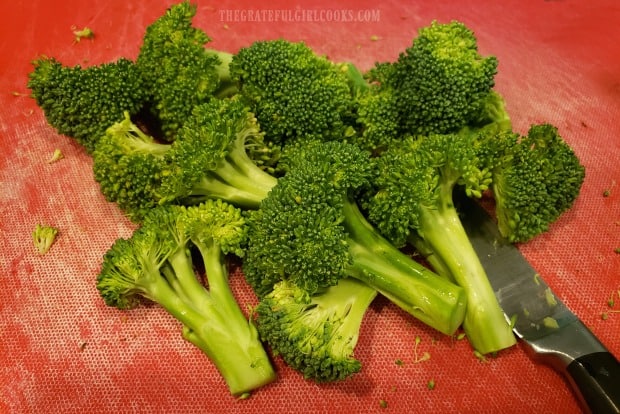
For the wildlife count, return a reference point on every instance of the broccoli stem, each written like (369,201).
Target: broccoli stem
(213,186)
(237,179)
(237,353)
(485,325)
(411,286)
(350,300)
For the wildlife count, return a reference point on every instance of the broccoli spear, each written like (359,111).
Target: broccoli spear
(534,179)
(207,160)
(310,231)
(413,194)
(156,263)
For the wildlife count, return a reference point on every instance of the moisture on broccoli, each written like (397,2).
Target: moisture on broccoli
(315,334)
(73,100)
(207,160)
(177,67)
(310,231)
(160,263)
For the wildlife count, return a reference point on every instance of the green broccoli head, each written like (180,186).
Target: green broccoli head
(131,267)
(417,175)
(441,81)
(293,92)
(539,179)
(72,100)
(179,71)
(129,166)
(215,224)
(209,159)
(298,232)
(315,334)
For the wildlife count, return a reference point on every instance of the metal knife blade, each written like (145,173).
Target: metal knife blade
(553,333)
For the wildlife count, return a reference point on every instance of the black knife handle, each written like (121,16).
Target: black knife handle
(597,378)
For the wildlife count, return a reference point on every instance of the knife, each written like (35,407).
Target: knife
(554,335)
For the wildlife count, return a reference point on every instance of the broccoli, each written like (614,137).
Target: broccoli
(538,178)
(315,334)
(413,194)
(439,84)
(533,179)
(209,157)
(207,160)
(293,91)
(157,263)
(178,69)
(309,230)
(73,101)
(43,237)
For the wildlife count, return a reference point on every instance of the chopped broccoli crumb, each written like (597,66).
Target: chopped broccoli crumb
(551,323)
(383,404)
(43,237)
(84,33)
(57,155)
(430,384)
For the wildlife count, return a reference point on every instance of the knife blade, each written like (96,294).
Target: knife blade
(554,335)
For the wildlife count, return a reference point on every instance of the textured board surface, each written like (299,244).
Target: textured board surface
(62,350)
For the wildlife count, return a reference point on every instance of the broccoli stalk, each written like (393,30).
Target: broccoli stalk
(309,231)
(411,286)
(414,194)
(156,263)
(316,334)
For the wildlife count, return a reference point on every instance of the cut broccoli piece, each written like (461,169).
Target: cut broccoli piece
(309,230)
(179,71)
(156,263)
(43,237)
(207,160)
(537,180)
(414,194)
(73,98)
(316,334)
(294,92)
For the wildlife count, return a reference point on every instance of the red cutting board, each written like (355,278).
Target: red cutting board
(63,351)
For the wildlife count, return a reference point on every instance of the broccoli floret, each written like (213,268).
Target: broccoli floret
(309,230)
(315,334)
(43,237)
(179,71)
(537,180)
(439,84)
(129,164)
(413,193)
(82,102)
(293,91)
(157,263)
(209,157)
(207,160)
